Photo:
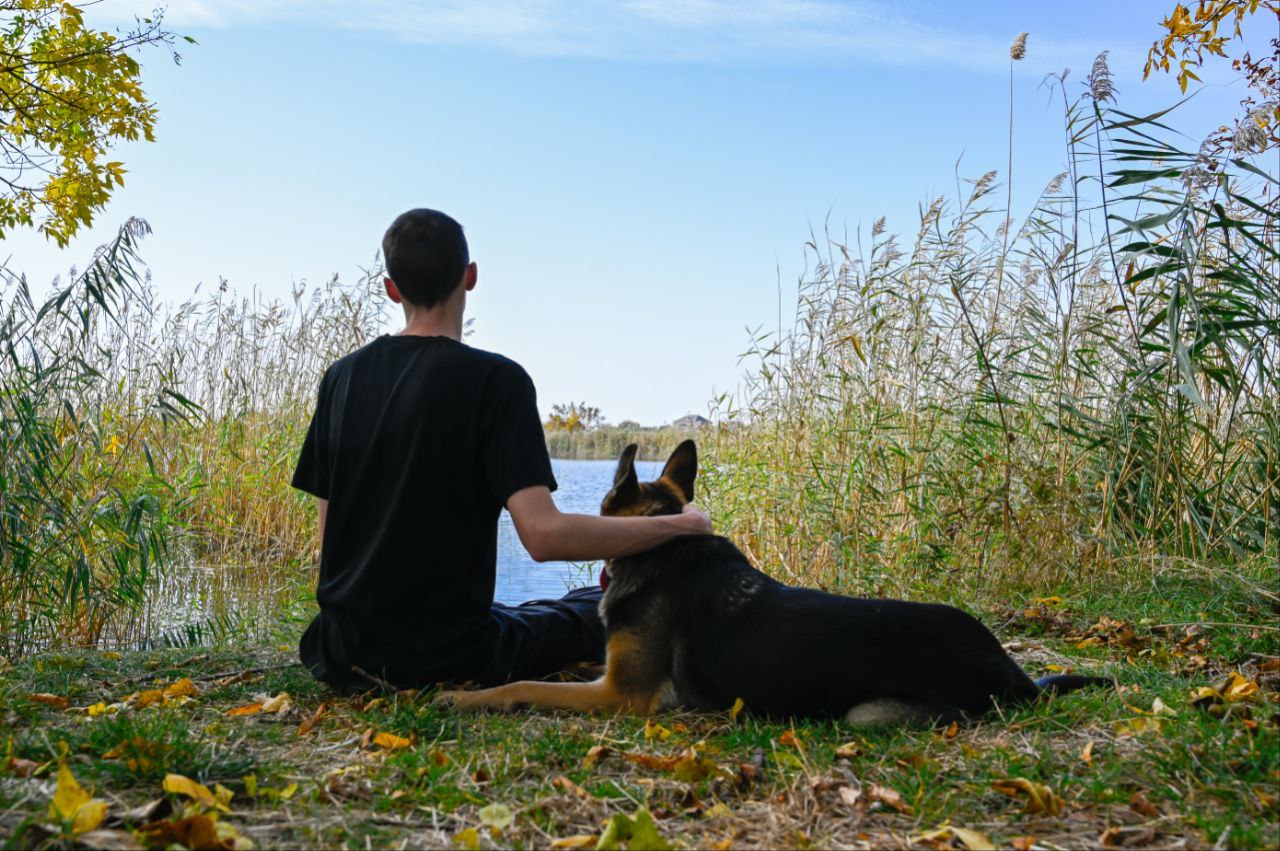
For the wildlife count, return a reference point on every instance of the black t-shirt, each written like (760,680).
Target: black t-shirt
(416,442)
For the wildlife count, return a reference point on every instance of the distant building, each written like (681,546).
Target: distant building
(691,421)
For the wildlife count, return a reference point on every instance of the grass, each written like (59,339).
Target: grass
(1196,780)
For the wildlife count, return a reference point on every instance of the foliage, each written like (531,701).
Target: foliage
(1121,400)
(81,529)
(1189,37)
(68,94)
(572,417)
(607,442)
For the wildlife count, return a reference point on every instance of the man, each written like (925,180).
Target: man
(416,444)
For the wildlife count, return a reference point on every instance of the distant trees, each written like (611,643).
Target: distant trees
(68,95)
(573,416)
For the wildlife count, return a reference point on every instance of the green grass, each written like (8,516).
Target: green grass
(766,783)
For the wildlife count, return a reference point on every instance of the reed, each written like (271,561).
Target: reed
(1105,400)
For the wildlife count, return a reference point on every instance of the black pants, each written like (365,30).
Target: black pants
(540,637)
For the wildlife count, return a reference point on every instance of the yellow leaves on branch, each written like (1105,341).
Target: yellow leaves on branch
(68,94)
(1190,35)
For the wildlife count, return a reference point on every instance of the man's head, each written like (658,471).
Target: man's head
(427,258)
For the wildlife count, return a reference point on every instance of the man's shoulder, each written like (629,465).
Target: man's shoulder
(479,360)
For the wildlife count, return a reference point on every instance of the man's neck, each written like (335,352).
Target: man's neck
(443,322)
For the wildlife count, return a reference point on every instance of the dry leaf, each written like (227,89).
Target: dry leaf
(736,709)
(150,697)
(848,750)
(109,840)
(247,709)
(789,740)
(195,831)
(391,742)
(848,795)
(654,730)
(567,785)
(310,723)
(20,767)
(594,755)
(1040,798)
(496,815)
(1023,843)
(176,784)
(57,701)
(277,705)
(1140,805)
(182,688)
(946,836)
(1086,753)
(887,796)
(73,807)
(581,840)
(952,730)
(468,838)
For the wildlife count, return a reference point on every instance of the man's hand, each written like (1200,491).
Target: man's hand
(699,522)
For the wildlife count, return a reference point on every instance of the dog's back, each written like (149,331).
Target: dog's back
(723,630)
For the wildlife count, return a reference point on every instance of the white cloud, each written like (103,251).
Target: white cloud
(770,31)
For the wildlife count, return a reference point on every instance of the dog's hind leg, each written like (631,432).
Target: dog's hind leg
(580,697)
(888,711)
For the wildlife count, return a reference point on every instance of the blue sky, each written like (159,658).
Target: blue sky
(637,179)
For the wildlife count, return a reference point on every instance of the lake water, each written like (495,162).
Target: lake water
(196,603)
(583,485)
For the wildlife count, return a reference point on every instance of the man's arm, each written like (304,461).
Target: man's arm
(550,535)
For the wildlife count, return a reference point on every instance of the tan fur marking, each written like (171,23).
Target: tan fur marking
(603,693)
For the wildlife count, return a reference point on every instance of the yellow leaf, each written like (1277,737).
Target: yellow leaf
(182,688)
(277,705)
(653,730)
(581,840)
(1040,798)
(943,837)
(738,705)
(391,741)
(1086,753)
(72,806)
(467,838)
(178,785)
(496,815)
(248,709)
(150,697)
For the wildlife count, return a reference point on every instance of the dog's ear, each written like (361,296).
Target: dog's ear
(682,468)
(626,487)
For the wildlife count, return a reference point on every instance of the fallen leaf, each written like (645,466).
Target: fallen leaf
(109,840)
(848,795)
(736,709)
(567,785)
(150,697)
(74,807)
(848,750)
(887,796)
(247,709)
(1023,843)
(20,767)
(1128,837)
(176,784)
(194,831)
(594,755)
(1086,753)
(638,831)
(946,837)
(654,730)
(1140,805)
(391,742)
(1040,798)
(182,688)
(57,701)
(467,838)
(789,740)
(952,730)
(312,720)
(496,815)
(581,840)
(277,705)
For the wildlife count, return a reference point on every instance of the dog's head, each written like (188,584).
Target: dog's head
(665,495)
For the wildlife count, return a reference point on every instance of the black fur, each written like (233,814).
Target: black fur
(710,628)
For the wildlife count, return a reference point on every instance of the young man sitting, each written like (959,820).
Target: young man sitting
(416,444)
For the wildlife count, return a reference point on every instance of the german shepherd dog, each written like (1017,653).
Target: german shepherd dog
(692,624)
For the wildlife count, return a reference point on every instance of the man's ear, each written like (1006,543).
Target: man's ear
(470,276)
(626,487)
(393,292)
(682,468)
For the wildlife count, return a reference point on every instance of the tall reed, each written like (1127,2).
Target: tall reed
(1121,401)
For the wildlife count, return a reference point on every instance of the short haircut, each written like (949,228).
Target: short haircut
(426,254)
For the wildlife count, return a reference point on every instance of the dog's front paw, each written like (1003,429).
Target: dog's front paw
(454,699)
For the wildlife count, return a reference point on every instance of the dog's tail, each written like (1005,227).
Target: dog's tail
(1063,683)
